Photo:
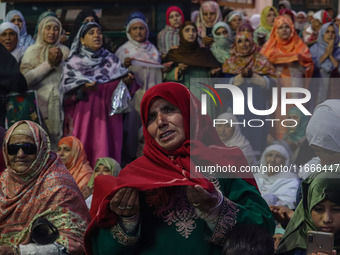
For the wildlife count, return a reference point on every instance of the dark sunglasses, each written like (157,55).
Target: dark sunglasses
(28,148)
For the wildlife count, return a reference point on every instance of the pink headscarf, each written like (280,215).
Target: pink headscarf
(173,9)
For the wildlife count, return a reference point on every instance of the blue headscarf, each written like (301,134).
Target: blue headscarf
(318,49)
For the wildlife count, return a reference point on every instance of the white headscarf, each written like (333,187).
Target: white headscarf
(239,140)
(18,51)
(323,129)
(278,148)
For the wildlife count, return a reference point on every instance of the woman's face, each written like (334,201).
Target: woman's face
(316,25)
(301,19)
(271,17)
(190,33)
(175,19)
(277,239)
(243,45)
(21,159)
(274,158)
(235,22)
(326,216)
(101,170)
(64,152)
(225,131)
(221,31)
(327,157)
(209,17)
(93,39)
(284,31)
(89,19)
(295,117)
(9,39)
(16,20)
(138,32)
(165,124)
(330,34)
(51,33)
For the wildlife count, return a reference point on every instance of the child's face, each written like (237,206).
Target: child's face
(326,216)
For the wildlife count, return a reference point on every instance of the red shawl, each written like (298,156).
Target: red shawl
(155,169)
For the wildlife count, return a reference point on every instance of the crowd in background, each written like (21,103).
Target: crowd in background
(96,110)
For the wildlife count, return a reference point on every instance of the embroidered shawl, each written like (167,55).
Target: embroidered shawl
(252,59)
(85,66)
(159,167)
(47,190)
(78,165)
(279,51)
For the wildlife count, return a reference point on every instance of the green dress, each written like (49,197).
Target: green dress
(177,228)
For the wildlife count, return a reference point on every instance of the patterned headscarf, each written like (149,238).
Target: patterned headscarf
(86,66)
(25,39)
(78,165)
(252,59)
(110,163)
(40,192)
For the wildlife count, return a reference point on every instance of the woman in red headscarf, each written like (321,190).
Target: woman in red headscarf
(168,37)
(161,196)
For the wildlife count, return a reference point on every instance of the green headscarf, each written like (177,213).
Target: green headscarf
(315,189)
(296,135)
(110,163)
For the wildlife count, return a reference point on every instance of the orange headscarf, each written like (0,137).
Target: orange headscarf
(78,164)
(279,51)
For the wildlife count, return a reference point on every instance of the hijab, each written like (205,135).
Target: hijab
(85,65)
(25,39)
(252,59)
(190,53)
(18,51)
(40,191)
(298,134)
(110,163)
(200,23)
(324,126)
(318,49)
(315,189)
(222,45)
(78,165)
(263,19)
(161,168)
(169,11)
(280,51)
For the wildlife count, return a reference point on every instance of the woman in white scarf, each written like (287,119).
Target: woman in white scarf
(232,136)
(10,38)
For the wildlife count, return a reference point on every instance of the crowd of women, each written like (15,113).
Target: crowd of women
(97,110)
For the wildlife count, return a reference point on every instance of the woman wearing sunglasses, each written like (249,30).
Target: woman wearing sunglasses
(34,186)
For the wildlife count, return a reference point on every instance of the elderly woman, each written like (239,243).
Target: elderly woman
(37,186)
(104,166)
(326,58)
(168,37)
(140,56)
(164,200)
(71,152)
(277,187)
(209,15)
(250,69)
(18,19)
(222,41)
(262,33)
(42,68)
(10,37)
(234,20)
(91,76)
